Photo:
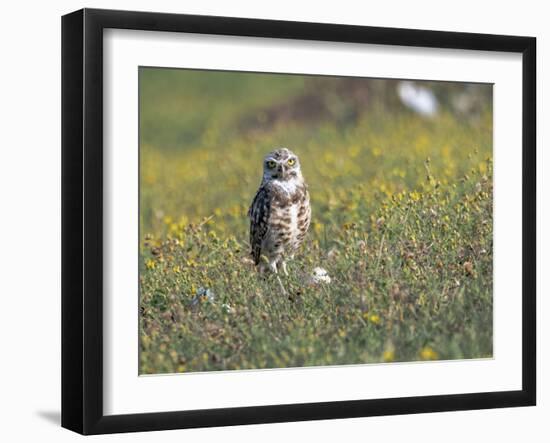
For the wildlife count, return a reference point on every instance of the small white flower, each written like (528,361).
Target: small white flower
(319,275)
(204,295)
(226,308)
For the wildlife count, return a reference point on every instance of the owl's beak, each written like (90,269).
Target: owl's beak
(281,172)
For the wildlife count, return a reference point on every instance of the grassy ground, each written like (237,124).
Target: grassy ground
(402,222)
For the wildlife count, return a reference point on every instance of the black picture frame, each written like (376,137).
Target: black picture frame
(82,220)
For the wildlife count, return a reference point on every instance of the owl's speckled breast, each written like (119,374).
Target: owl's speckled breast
(289,217)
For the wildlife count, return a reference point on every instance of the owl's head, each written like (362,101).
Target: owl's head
(282,164)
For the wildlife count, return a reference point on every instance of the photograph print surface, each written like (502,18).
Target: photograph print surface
(295,220)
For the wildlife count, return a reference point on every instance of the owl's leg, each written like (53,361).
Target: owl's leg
(266,268)
(273,266)
(282,266)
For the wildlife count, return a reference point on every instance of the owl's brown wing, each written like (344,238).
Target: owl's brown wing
(259,217)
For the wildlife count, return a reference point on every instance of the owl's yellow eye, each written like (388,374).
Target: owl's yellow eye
(291,161)
(271,164)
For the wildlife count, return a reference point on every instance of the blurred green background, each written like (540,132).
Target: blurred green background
(203,135)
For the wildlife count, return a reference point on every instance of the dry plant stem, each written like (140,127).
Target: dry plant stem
(283,290)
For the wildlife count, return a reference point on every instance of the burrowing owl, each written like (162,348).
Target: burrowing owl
(280,212)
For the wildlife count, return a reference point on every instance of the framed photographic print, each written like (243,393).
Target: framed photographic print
(269,221)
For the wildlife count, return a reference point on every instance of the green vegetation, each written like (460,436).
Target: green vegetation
(402,222)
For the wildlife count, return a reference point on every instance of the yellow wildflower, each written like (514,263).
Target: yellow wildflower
(374,318)
(427,353)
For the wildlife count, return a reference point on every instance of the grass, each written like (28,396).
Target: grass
(402,222)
